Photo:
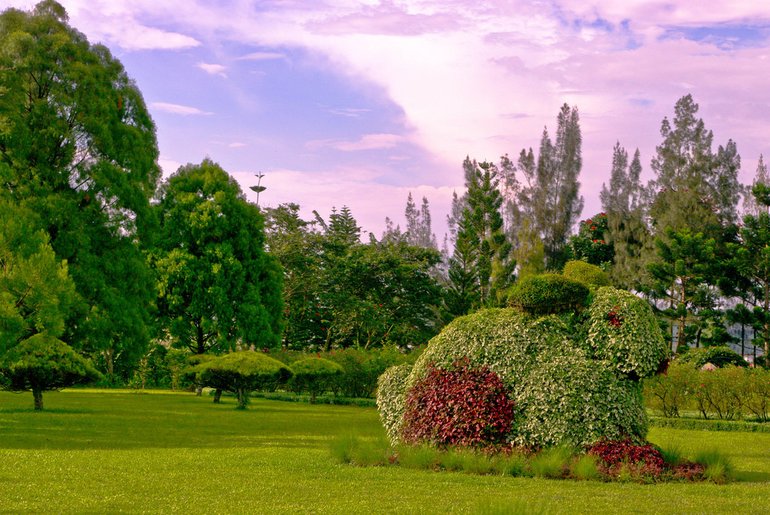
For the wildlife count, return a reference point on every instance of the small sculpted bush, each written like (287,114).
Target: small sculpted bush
(548,293)
(586,273)
(242,372)
(361,368)
(460,406)
(314,375)
(42,363)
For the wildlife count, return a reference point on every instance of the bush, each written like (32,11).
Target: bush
(391,397)
(362,368)
(718,356)
(242,372)
(670,392)
(586,273)
(570,399)
(42,363)
(461,406)
(548,293)
(622,330)
(314,375)
(756,387)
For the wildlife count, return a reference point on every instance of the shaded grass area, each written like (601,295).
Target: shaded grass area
(119,452)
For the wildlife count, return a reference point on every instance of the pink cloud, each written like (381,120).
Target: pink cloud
(366,142)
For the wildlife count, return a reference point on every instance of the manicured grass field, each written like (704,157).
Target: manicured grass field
(103,452)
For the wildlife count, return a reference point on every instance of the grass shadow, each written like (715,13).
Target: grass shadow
(748,476)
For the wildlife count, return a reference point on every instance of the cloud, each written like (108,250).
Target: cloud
(213,69)
(179,109)
(366,142)
(262,56)
(236,144)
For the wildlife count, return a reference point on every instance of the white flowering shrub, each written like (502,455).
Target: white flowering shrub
(391,396)
(622,330)
(570,399)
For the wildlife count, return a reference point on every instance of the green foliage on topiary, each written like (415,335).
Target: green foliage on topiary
(719,356)
(505,340)
(242,372)
(548,293)
(623,331)
(586,273)
(571,399)
(391,399)
(314,375)
(42,363)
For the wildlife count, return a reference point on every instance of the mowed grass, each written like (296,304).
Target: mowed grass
(106,452)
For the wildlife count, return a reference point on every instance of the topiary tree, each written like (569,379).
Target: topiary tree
(585,273)
(241,373)
(720,356)
(548,293)
(42,363)
(314,375)
(573,379)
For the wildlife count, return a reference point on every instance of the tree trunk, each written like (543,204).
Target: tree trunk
(217,395)
(243,398)
(198,390)
(37,394)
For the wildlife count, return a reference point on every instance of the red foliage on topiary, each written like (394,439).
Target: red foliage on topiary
(461,406)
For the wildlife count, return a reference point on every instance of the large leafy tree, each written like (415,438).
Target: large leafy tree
(36,292)
(217,287)
(78,146)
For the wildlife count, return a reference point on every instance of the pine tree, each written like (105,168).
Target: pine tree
(549,196)
(418,224)
(750,204)
(623,203)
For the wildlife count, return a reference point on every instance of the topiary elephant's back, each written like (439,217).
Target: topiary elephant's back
(503,339)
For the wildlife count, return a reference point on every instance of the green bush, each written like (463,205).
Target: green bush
(42,363)
(547,294)
(314,375)
(623,331)
(570,399)
(586,273)
(242,372)
(362,368)
(719,356)
(670,393)
(391,399)
(756,388)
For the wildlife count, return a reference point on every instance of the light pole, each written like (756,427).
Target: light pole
(258,188)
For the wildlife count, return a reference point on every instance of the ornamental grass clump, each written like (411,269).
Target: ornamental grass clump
(460,406)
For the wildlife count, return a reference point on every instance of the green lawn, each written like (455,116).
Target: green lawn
(100,452)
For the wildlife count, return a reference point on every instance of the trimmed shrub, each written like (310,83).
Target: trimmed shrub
(461,406)
(570,399)
(586,273)
(314,375)
(241,372)
(42,363)
(719,356)
(623,331)
(547,294)
(362,368)
(756,386)
(391,396)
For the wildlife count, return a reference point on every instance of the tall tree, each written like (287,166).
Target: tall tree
(693,186)
(418,224)
(217,288)
(761,179)
(484,250)
(624,202)
(549,195)
(77,145)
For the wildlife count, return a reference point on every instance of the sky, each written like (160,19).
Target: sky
(359,103)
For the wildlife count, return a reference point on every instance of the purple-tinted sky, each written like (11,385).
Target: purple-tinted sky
(359,103)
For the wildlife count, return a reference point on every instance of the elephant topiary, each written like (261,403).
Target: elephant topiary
(573,376)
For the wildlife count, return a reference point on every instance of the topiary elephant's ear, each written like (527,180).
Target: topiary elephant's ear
(622,330)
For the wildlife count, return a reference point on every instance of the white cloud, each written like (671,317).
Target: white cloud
(213,69)
(366,142)
(262,56)
(236,144)
(178,109)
